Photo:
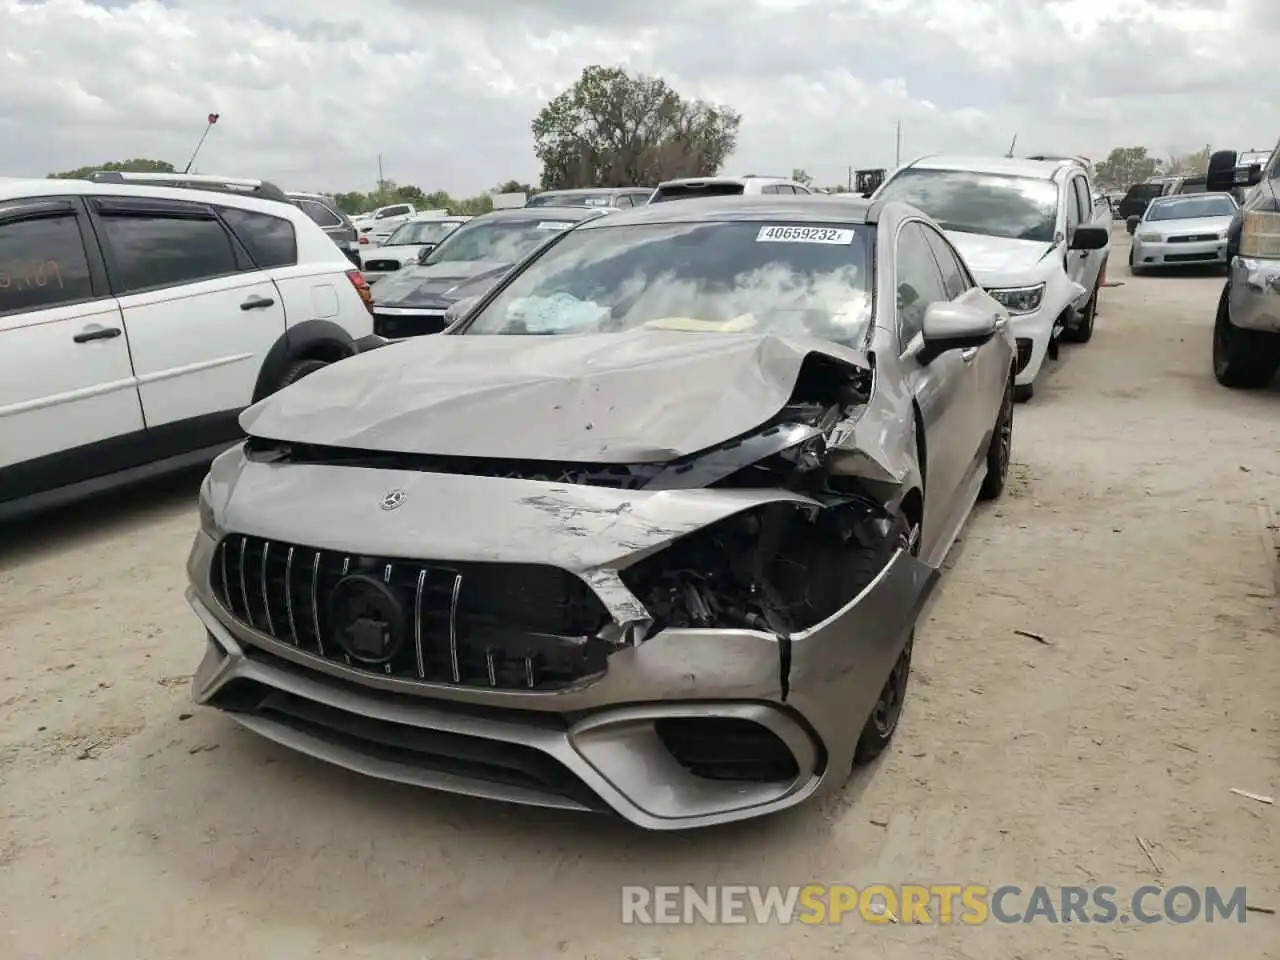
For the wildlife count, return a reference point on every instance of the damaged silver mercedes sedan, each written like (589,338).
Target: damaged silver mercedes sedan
(646,531)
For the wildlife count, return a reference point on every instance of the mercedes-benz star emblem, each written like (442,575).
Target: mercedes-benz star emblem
(393,499)
(368,620)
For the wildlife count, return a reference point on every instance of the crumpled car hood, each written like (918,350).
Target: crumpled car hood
(427,285)
(643,396)
(997,260)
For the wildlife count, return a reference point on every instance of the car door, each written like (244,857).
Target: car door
(1077,261)
(200,315)
(988,375)
(69,407)
(938,386)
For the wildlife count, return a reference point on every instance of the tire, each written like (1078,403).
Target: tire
(1134,269)
(1024,392)
(1000,449)
(299,369)
(1082,332)
(1242,359)
(880,726)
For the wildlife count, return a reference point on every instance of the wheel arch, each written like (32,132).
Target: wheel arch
(309,340)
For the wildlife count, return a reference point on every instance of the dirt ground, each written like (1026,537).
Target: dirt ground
(1133,539)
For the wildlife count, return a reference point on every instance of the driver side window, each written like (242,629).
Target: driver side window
(1073,207)
(919,282)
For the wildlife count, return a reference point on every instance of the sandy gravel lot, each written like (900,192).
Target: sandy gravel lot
(1132,538)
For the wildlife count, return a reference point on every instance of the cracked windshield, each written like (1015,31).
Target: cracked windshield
(716,277)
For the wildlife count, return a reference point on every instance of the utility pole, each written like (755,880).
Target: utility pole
(849,185)
(1012,143)
(381,179)
(897,156)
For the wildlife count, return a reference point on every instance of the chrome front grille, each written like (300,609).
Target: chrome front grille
(507,626)
(1194,238)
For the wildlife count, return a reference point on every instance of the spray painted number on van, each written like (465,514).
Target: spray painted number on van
(804,235)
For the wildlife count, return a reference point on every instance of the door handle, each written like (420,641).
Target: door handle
(257,303)
(97,333)
(968,354)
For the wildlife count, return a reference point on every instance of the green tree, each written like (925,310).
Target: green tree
(1187,165)
(1126,166)
(612,129)
(800,176)
(136,165)
(515,186)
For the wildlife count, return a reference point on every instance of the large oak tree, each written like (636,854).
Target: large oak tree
(612,129)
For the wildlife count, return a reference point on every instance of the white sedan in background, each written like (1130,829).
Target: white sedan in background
(1180,231)
(411,240)
(1031,232)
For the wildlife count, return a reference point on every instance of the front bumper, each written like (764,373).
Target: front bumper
(1037,328)
(601,744)
(1148,254)
(1253,289)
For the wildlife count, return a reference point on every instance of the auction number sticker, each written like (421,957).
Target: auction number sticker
(554,225)
(804,235)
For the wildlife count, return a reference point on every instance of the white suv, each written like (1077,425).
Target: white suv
(751,185)
(137,322)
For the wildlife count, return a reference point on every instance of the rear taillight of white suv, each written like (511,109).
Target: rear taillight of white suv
(362,287)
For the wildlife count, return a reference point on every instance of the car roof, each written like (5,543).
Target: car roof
(724,179)
(32,188)
(762,209)
(543,213)
(1009,166)
(587,191)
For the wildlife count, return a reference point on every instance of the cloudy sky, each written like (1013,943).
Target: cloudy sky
(310,92)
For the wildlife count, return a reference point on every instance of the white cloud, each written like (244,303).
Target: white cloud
(310,92)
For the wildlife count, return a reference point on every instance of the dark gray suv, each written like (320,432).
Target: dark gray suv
(330,219)
(1246,332)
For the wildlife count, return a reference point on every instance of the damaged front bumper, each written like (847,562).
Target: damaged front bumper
(677,727)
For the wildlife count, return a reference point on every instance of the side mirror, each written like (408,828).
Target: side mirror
(425,252)
(1221,172)
(1090,238)
(1131,223)
(951,326)
(458,311)
(1255,175)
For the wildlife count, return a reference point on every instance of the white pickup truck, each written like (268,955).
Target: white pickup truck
(1035,234)
(374,227)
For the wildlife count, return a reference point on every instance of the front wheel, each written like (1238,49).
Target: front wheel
(879,728)
(1000,449)
(1024,392)
(1082,332)
(1244,359)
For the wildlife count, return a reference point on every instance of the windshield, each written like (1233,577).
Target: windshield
(1191,208)
(422,231)
(569,200)
(1018,208)
(786,279)
(501,241)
